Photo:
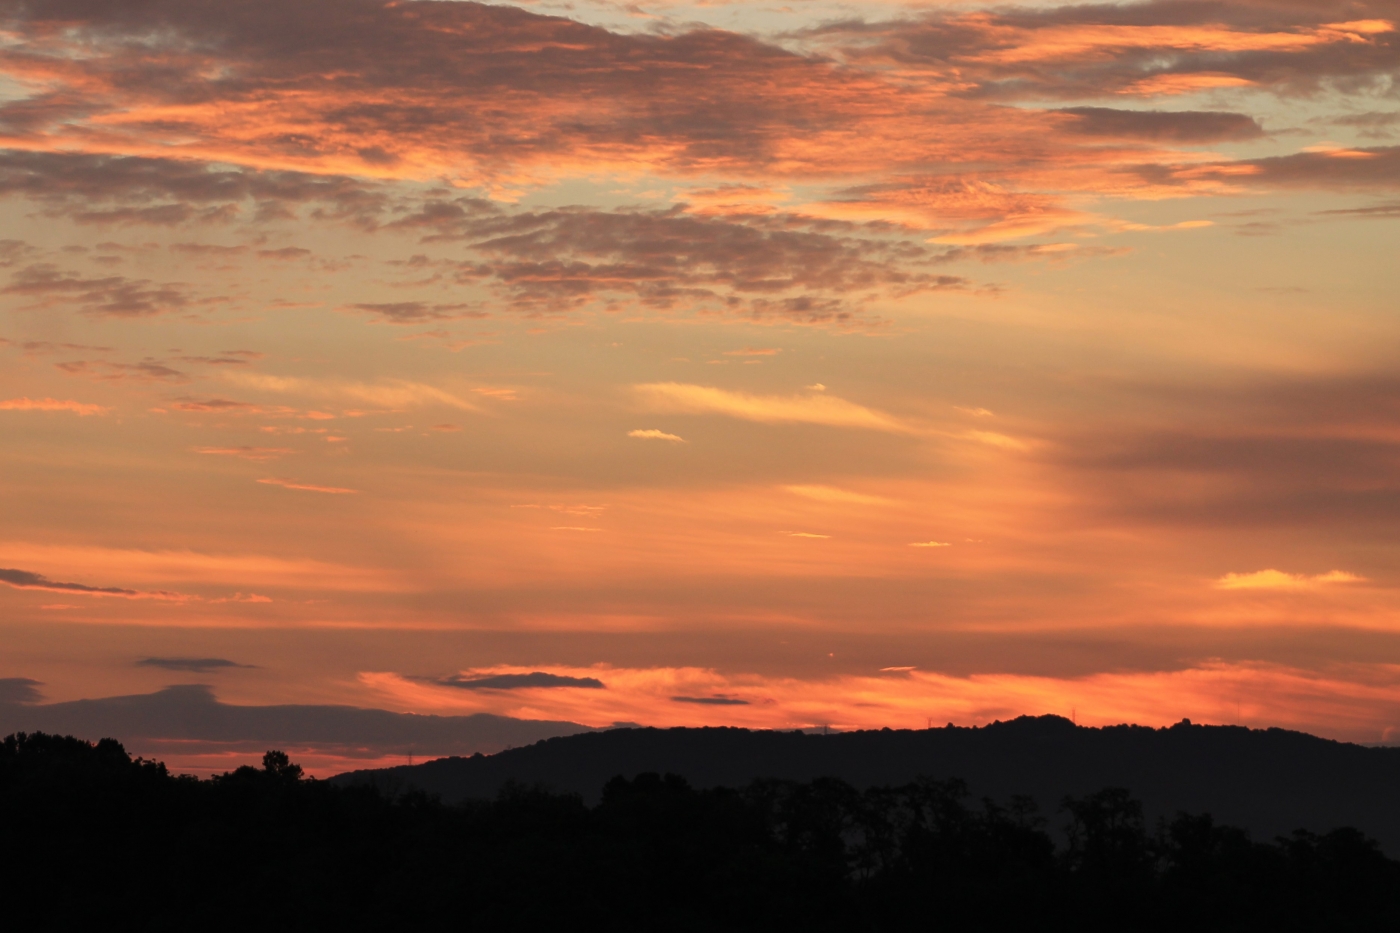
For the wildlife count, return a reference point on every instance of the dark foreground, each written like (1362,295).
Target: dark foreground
(1269,781)
(93,837)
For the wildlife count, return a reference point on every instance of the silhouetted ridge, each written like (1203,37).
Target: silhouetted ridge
(1270,781)
(97,840)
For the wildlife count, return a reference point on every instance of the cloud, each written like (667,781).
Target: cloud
(754,351)
(107,296)
(867,109)
(1357,702)
(1301,452)
(832,494)
(187,725)
(1183,126)
(308,487)
(214,404)
(52,404)
(1334,168)
(769,409)
(257,454)
(789,266)
(1389,211)
(186,190)
(1278,580)
(285,252)
(194,665)
(1372,124)
(656,435)
(534,679)
(417,312)
(389,394)
(396,92)
(148,370)
(28,580)
(242,598)
(930,544)
(20,691)
(1140,49)
(241,571)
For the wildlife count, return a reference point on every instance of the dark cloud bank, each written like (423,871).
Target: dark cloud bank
(189,719)
(196,665)
(519,681)
(27,580)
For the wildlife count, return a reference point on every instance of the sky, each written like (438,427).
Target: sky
(829,365)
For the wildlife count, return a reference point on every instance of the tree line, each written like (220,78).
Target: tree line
(92,835)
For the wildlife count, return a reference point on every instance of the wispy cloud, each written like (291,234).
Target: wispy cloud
(52,404)
(390,394)
(28,580)
(308,487)
(832,494)
(656,435)
(256,454)
(769,409)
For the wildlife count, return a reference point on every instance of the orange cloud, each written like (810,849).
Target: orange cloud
(771,409)
(1278,580)
(656,435)
(1358,704)
(257,454)
(176,567)
(52,404)
(308,487)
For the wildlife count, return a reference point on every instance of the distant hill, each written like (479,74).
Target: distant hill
(1269,781)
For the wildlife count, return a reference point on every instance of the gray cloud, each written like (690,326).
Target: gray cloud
(1184,126)
(518,681)
(711,701)
(1365,169)
(108,296)
(189,719)
(417,312)
(19,690)
(26,580)
(194,665)
(1389,211)
(98,188)
(558,259)
(1303,452)
(1371,125)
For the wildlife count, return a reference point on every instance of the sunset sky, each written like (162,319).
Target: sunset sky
(829,364)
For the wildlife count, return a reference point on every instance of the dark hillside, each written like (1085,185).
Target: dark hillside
(1269,781)
(97,840)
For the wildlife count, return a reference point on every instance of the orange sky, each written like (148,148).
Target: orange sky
(851,366)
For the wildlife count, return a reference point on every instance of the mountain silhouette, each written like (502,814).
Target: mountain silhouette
(1268,781)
